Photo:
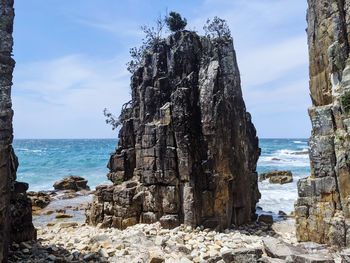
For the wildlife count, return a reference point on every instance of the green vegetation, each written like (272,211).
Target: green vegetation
(111,119)
(152,37)
(217,28)
(175,22)
(345,102)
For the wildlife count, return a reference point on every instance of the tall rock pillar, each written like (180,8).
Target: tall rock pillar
(15,207)
(7,173)
(187,148)
(323,207)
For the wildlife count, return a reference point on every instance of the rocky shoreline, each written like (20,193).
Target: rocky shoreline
(258,242)
(70,239)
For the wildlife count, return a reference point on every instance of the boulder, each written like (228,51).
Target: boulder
(75,183)
(242,255)
(277,177)
(276,248)
(39,199)
(267,219)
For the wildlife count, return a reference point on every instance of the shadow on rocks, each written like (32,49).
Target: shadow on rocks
(36,252)
(257,229)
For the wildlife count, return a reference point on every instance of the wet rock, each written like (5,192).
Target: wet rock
(62,215)
(277,177)
(282,214)
(68,224)
(182,157)
(75,183)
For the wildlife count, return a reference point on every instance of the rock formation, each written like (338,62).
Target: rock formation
(322,210)
(187,149)
(75,183)
(15,209)
(277,177)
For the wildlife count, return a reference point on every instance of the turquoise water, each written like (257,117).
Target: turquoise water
(282,154)
(42,162)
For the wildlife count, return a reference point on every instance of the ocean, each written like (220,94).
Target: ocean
(42,162)
(282,154)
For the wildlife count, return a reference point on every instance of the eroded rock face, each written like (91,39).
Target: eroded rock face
(322,210)
(12,194)
(7,170)
(187,149)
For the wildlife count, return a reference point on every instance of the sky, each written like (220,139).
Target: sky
(71,55)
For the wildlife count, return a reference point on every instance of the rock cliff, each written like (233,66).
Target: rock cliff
(187,149)
(15,208)
(322,210)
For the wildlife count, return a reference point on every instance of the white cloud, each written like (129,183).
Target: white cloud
(65,97)
(271,62)
(119,28)
(287,97)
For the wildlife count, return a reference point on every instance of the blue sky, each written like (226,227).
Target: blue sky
(71,58)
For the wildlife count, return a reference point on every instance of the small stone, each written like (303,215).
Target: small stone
(51,257)
(156,257)
(88,257)
(68,224)
(104,253)
(25,250)
(160,241)
(188,229)
(53,248)
(185,260)
(26,245)
(184,249)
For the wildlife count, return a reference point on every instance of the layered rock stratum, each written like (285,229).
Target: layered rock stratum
(15,207)
(187,149)
(322,210)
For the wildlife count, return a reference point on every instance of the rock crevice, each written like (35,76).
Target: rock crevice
(187,149)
